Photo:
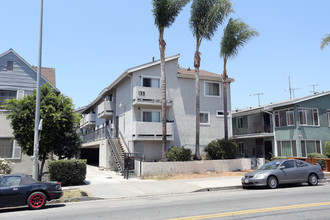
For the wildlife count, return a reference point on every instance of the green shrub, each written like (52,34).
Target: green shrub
(68,172)
(319,161)
(221,149)
(179,154)
(5,166)
(327,149)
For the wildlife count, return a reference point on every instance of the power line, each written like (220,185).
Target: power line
(257,94)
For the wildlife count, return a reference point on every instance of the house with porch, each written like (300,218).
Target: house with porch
(126,115)
(291,128)
(17,79)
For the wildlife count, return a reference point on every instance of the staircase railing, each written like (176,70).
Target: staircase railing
(115,153)
(122,140)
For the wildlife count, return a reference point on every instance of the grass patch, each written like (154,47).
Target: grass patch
(193,175)
(69,194)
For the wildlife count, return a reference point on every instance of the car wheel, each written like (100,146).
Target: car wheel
(36,200)
(272,182)
(313,180)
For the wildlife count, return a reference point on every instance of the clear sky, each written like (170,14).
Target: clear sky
(90,43)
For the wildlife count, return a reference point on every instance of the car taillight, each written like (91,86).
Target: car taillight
(58,186)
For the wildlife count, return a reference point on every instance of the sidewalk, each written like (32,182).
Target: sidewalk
(110,185)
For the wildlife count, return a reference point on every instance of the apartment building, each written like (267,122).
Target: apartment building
(17,79)
(129,110)
(291,128)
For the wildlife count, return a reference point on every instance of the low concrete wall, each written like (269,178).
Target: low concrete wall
(168,168)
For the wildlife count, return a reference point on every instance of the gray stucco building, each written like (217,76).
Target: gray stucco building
(130,109)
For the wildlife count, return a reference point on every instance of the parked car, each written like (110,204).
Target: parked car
(284,171)
(20,189)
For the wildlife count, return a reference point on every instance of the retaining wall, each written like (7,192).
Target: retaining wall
(168,168)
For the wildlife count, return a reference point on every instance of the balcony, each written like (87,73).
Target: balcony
(255,129)
(149,96)
(105,110)
(88,120)
(152,131)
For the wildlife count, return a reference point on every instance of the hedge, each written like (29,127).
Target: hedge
(68,172)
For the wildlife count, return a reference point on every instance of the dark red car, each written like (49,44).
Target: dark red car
(20,189)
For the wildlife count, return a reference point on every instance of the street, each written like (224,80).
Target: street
(288,202)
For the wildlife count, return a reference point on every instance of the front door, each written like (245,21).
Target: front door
(268,150)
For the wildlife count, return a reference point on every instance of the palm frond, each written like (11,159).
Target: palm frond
(207,15)
(165,11)
(235,36)
(325,41)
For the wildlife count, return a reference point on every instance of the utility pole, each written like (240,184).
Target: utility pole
(258,94)
(35,170)
(290,90)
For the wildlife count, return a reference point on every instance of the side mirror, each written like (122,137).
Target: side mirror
(282,167)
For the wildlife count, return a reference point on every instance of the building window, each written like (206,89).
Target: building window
(241,150)
(6,95)
(220,114)
(286,148)
(329,118)
(204,118)
(309,146)
(239,122)
(153,82)
(308,116)
(151,116)
(6,148)
(284,117)
(10,65)
(212,89)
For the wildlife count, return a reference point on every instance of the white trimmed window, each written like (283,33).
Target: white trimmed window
(151,116)
(204,118)
(212,89)
(4,94)
(284,117)
(150,81)
(239,122)
(329,117)
(310,146)
(308,116)
(6,148)
(287,148)
(220,114)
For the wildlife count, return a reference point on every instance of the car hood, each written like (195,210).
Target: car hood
(256,172)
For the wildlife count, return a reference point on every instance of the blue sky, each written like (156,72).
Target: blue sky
(90,43)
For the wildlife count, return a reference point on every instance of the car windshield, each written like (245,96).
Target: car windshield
(270,166)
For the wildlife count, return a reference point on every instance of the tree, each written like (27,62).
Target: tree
(325,41)
(59,126)
(165,12)
(235,35)
(206,16)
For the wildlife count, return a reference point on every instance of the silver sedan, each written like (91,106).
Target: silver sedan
(282,172)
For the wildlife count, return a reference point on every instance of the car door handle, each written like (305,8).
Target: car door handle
(15,189)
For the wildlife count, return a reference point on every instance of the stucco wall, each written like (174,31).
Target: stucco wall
(167,168)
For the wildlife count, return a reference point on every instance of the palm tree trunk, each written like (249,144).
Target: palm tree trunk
(197,60)
(225,98)
(162,45)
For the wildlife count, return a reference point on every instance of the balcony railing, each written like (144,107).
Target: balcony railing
(105,109)
(253,129)
(149,96)
(151,131)
(95,135)
(88,120)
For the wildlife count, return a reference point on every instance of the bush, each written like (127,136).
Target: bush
(327,148)
(178,154)
(5,166)
(221,149)
(68,172)
(319,161)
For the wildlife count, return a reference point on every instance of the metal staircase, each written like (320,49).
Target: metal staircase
(116,150)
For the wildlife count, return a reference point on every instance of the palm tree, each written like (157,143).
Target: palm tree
(165,12)
(325,41)
(206,16)
(235,35)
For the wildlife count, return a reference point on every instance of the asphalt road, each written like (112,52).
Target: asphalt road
(289,202)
